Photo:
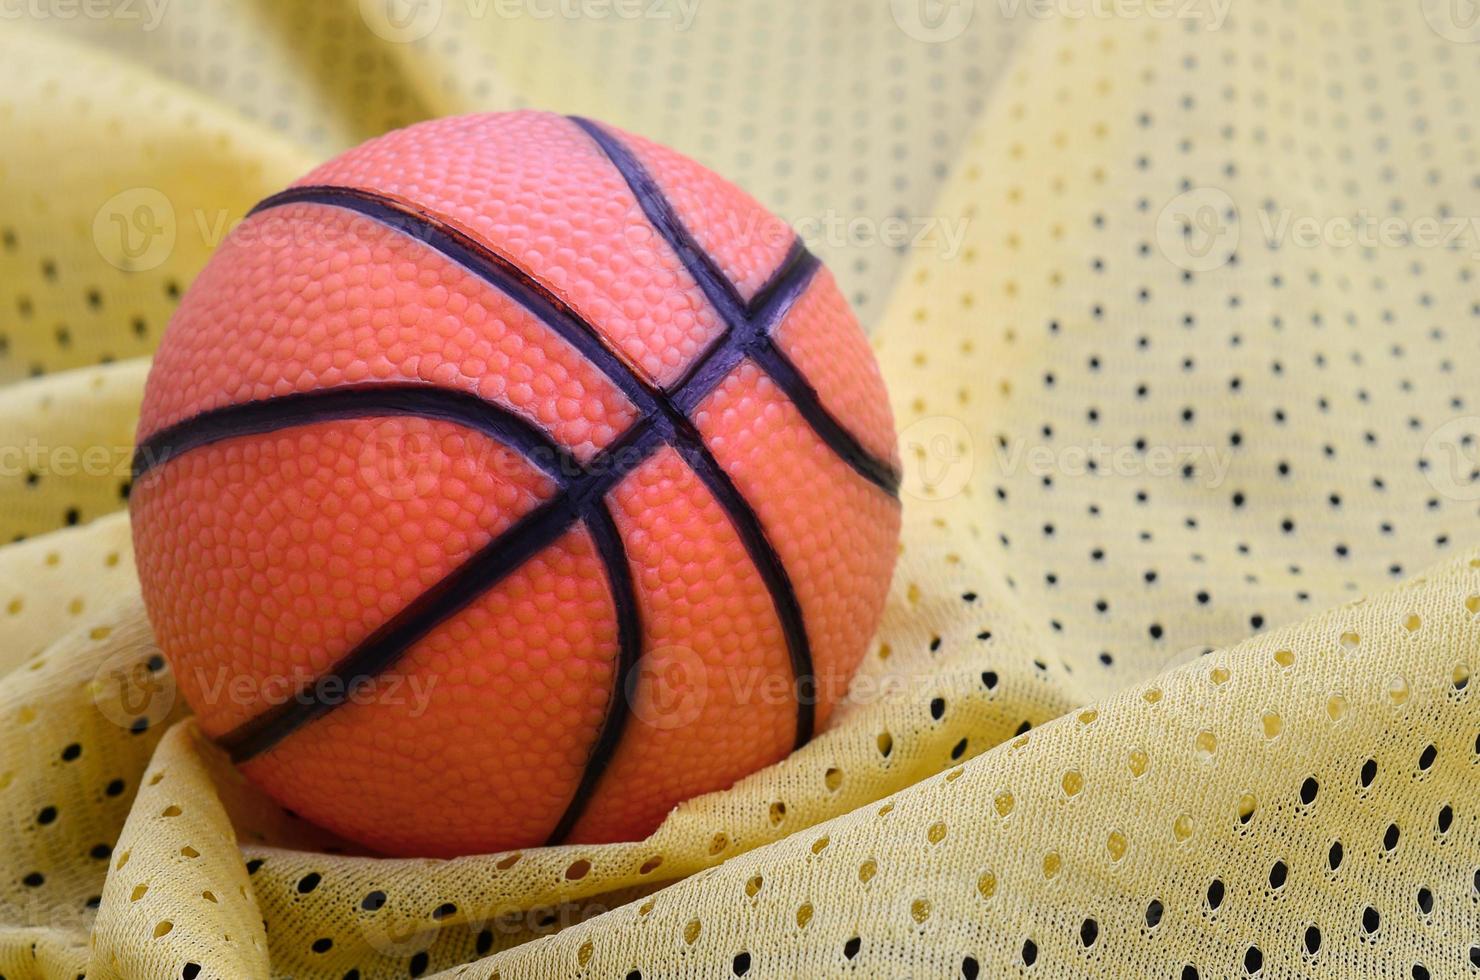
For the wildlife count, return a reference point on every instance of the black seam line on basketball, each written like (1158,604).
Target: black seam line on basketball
(613,552)
(739,341)
(665,422)
(726,300)
(493,268)
(661,214)
(771,359)
(486,568)
(773,572)
(745,326)
(790,379)
(357,401)
(795,256)
(385,646)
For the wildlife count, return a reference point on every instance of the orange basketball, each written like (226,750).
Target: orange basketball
(508,480)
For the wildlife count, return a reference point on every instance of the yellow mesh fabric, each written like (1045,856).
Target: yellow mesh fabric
(1175,679)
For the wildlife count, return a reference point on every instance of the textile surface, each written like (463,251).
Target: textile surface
(1178,307)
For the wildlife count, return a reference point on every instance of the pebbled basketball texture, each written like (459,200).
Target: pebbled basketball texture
(508,480)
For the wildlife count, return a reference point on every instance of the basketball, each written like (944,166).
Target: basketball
(509,480)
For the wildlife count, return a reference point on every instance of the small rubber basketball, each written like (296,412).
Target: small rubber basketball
(508,480)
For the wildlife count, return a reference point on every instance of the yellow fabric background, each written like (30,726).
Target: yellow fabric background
(1240,694)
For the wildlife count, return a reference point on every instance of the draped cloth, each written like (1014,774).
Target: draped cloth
(1177,303)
